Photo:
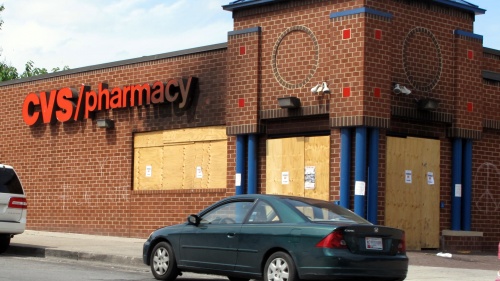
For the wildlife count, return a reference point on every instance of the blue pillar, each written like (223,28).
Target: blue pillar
(345,166)
(467,186)
(240,164)
(456,185)
(372,204)
(252,164)
(360,173)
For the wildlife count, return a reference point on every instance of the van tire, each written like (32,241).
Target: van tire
(4,242)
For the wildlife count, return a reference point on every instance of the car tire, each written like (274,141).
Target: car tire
(280,267)
(4,242)
(163,264)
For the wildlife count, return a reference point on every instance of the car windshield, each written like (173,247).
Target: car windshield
(323,211)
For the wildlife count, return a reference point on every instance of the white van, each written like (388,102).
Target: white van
(13,206)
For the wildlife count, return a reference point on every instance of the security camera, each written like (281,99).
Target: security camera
(398,89)
(326,90)
(405,90)
(314,90)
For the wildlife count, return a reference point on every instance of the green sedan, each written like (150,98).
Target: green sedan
(277,238)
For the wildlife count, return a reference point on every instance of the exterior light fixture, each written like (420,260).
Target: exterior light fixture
(321,88)
(289,102)
(427,104)
(105,123)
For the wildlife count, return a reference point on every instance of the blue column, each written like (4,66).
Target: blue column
(240,164)
(345,166)
(467,186)
(372,205)
(360,173)
(252,164)
(456,185)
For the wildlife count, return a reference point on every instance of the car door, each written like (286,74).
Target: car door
(213,243)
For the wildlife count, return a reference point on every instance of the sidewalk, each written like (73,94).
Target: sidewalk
(125,251)
(424,265)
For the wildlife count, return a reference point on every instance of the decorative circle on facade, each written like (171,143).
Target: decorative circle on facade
(422,59)
(295,57)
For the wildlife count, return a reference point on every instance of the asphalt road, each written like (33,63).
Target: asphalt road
(43,269)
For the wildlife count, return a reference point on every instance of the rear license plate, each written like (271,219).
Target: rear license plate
(374,243)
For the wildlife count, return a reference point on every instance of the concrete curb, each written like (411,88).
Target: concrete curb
(41,252)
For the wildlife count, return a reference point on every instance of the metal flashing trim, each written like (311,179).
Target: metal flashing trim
(191,51)
(491,51)
(299,112)
(468,34)
(236,5)
(354,121)
(244,31)
(490,75)
(245,129)
(454,132)
(360,11)
(462,5)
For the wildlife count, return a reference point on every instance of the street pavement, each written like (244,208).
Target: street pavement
(424,265)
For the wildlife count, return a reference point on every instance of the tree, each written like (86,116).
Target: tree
(8,72)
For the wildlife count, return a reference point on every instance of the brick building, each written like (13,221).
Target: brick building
(387,107)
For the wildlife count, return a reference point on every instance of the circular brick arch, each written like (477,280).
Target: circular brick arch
(422,59)
(295,57)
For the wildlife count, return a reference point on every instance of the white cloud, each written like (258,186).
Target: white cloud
(77,33)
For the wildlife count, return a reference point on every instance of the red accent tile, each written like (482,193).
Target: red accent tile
(346,34)
(243,50)
(376,92)
(378,34)
(470,54)
(346,92)
(470,106)
(241,102)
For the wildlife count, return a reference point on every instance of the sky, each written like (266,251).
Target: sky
(79,33)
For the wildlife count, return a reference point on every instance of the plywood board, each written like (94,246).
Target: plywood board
(148,139)
(217,168)
(274,160)
(148,159)
(201,134)
(293,163)
(317,155)
(413,206)
(173,166)
(429,232)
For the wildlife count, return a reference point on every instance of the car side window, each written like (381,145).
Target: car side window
(232,212)
(263,213)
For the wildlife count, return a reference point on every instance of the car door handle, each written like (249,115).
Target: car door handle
(231,235)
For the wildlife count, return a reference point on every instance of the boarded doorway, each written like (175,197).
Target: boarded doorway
(298,166)
(412,190)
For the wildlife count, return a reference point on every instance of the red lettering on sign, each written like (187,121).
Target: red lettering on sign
(68,104)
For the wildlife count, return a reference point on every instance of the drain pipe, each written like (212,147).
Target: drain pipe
(240,164)
(467,185)
(373,175)
(360,173)
(456,189)
(252,164)
(345,166)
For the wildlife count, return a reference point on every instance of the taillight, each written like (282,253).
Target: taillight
(18,203)
(334,240)
(402,244)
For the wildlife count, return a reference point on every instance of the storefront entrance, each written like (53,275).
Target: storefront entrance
(412,190)
(298,166)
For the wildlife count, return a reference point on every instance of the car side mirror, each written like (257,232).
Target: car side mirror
(193,220)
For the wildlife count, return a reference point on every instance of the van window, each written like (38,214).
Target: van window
(9,182)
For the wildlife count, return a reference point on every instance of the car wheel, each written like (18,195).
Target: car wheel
(4,242)
(280,267)
(163,264)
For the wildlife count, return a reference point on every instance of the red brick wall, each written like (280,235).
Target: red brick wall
(78,177)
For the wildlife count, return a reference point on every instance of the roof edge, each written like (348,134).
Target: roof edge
(184,52)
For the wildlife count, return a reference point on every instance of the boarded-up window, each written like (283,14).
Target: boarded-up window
(180,159)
